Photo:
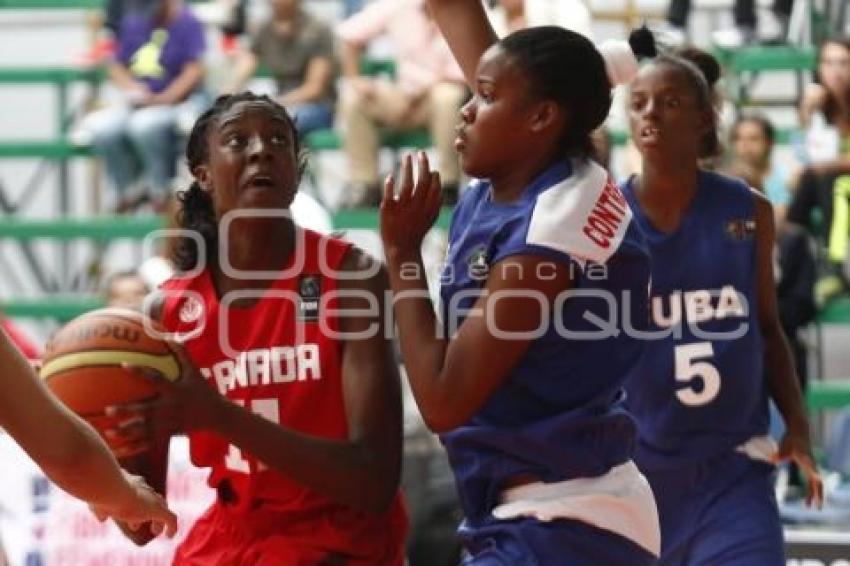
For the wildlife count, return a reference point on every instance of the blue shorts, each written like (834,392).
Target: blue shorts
(722,511)
(529,542)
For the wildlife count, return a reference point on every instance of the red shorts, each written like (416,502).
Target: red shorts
(261,538)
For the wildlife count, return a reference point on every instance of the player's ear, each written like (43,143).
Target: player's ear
(546,114)
(708,121)
(202,177)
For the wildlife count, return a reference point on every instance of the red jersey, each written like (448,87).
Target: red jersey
(276,358)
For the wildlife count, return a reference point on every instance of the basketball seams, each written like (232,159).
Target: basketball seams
(108,316)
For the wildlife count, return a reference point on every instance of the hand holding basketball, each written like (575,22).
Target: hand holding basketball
(142,505)
(405,220)
(83,367)
(184,404)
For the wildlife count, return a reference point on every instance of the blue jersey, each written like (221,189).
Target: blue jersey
(558,415)
(701,388)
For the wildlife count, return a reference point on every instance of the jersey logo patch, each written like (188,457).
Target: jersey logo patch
(309,291)
(191,311)
(477,265)
(741,229)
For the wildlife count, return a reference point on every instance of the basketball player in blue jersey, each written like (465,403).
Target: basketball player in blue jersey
(718,354)
(522,386)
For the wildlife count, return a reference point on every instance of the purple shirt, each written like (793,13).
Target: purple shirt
(158,58)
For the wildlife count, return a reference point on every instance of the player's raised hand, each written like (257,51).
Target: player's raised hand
(407,217)
(797,447)
(141,505)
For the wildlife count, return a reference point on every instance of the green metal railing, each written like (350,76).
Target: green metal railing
(107,228)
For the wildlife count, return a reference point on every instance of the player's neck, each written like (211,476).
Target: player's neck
(671,183)
(264,245)
(509,186)
(665,193)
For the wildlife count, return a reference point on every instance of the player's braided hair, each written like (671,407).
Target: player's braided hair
(564,66)
(196,211)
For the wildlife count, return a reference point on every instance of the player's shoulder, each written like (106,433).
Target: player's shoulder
(362,271)
(181,282)
(725,185)
(584,214)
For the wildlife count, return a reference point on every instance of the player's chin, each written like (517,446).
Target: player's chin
(268,200)
(472,166)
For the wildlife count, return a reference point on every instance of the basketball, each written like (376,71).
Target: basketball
(82,363)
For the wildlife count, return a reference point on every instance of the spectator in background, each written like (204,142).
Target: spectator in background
(510,15)
(825,109)
(428,90)
(126,289)
(824,188)
(297,49)
(752,140)
(158,74)
(745,22)
(116,11)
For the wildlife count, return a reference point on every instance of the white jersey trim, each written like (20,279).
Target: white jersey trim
(584,216)
(620,501)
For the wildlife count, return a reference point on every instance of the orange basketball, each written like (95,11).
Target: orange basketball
(82,362)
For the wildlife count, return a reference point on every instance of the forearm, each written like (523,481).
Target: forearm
(246,66)
(82,465)
(467,30)
(69,451)
(422,347)
(121,77)
(350,59)
(782,383)
(301,94)
(839,166)
(179,89)
(346,471)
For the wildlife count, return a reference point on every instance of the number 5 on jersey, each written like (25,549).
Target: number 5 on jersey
(692,371)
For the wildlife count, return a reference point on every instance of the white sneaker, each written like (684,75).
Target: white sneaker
(669,36)
(80,136)
(732,38)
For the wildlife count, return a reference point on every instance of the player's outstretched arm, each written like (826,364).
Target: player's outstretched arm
(782,382)
(68,450)
(452,378)
(467,31)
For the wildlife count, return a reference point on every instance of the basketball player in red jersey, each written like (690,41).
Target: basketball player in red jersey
(290,392)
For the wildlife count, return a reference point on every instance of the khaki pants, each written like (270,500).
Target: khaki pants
(389,107)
